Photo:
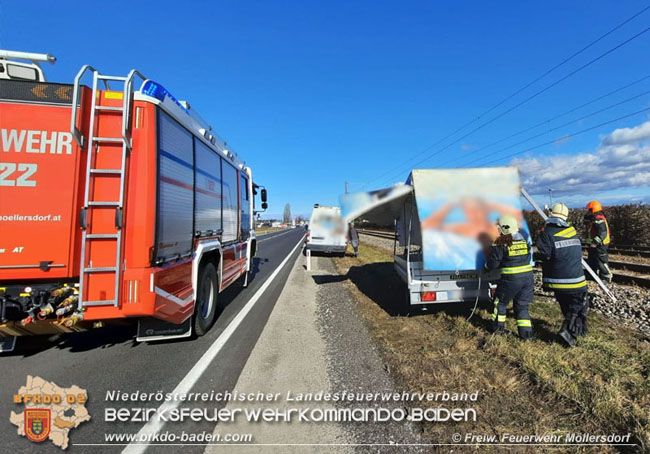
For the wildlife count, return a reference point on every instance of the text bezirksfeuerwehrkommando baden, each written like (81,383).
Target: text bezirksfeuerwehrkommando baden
(375,414)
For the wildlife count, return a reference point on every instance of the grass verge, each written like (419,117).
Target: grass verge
(263,230)
(601,387)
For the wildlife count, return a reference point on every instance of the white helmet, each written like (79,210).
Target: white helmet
(560,211)
(508,224)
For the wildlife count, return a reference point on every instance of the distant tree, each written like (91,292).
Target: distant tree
(287,213)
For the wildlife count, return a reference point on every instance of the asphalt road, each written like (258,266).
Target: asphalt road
(109,359)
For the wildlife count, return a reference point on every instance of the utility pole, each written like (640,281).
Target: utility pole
(346,187)
(550,197)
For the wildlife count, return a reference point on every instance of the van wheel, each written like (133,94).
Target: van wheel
(206,300)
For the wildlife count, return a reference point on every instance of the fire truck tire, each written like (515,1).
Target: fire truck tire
(206,300)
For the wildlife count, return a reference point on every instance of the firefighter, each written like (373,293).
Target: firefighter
(511,254)
(353,235)
(560,251)
(598,240)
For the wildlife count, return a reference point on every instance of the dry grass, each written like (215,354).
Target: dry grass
(538,387)
(263,230)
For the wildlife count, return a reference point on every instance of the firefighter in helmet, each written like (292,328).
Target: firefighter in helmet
(560,251)
(598,240)
(511,254)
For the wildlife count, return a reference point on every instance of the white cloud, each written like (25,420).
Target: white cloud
(622,160)
(628,135)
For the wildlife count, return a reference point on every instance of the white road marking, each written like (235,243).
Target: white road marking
(185,386)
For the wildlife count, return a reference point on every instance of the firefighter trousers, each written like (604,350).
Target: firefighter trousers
(598,260)
(574,308)
(520,292)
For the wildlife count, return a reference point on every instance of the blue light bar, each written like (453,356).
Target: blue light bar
(155,90)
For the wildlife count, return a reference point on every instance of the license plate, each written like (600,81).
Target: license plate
(463,276)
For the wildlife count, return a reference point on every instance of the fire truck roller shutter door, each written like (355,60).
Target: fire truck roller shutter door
(244,206)
(175,189)
(208,189)
(230,202)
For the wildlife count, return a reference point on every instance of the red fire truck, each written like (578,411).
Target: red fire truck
(115,202)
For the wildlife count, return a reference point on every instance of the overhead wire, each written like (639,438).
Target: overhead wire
(549,120)
(568,136)
(507,98)
(539,92)
(577,120)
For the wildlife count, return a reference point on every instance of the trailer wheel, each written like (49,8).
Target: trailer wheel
(206,300)
(406,307)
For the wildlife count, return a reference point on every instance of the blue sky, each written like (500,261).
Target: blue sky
(312,94)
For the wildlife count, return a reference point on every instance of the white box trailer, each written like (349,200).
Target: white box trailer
(445,221)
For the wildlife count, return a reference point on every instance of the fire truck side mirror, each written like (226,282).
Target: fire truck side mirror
(264,196)
(265,205)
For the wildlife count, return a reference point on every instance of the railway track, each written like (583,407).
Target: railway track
(626,273)
(378,233)
(630,273)
(641,268)
(629,246)
(629,250)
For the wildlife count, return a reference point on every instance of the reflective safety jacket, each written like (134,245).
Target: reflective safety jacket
(597,229)
(511,254)
(561,252)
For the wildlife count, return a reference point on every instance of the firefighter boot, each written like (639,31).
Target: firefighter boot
(524,325)
(498,327)
(585,311)
(498,317)
(567,338)
(605,273)
(498,320)
(525,329)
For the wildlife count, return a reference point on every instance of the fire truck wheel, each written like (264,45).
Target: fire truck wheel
(206,300)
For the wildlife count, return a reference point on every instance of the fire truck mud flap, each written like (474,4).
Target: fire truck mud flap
(152,329)
(7,344)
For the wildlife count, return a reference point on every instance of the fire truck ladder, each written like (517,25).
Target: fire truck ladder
(94,172)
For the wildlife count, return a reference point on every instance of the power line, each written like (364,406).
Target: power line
(566,60)
(548,120)
(572,73)
(604,109)
(568,136)
(525,87)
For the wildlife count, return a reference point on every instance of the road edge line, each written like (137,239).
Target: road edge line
(190,379)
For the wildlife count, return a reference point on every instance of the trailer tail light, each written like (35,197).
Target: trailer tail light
(307,239)
(428,296)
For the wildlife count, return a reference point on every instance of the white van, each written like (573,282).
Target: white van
(326,231)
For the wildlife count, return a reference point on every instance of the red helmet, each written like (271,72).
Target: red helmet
(594,207)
